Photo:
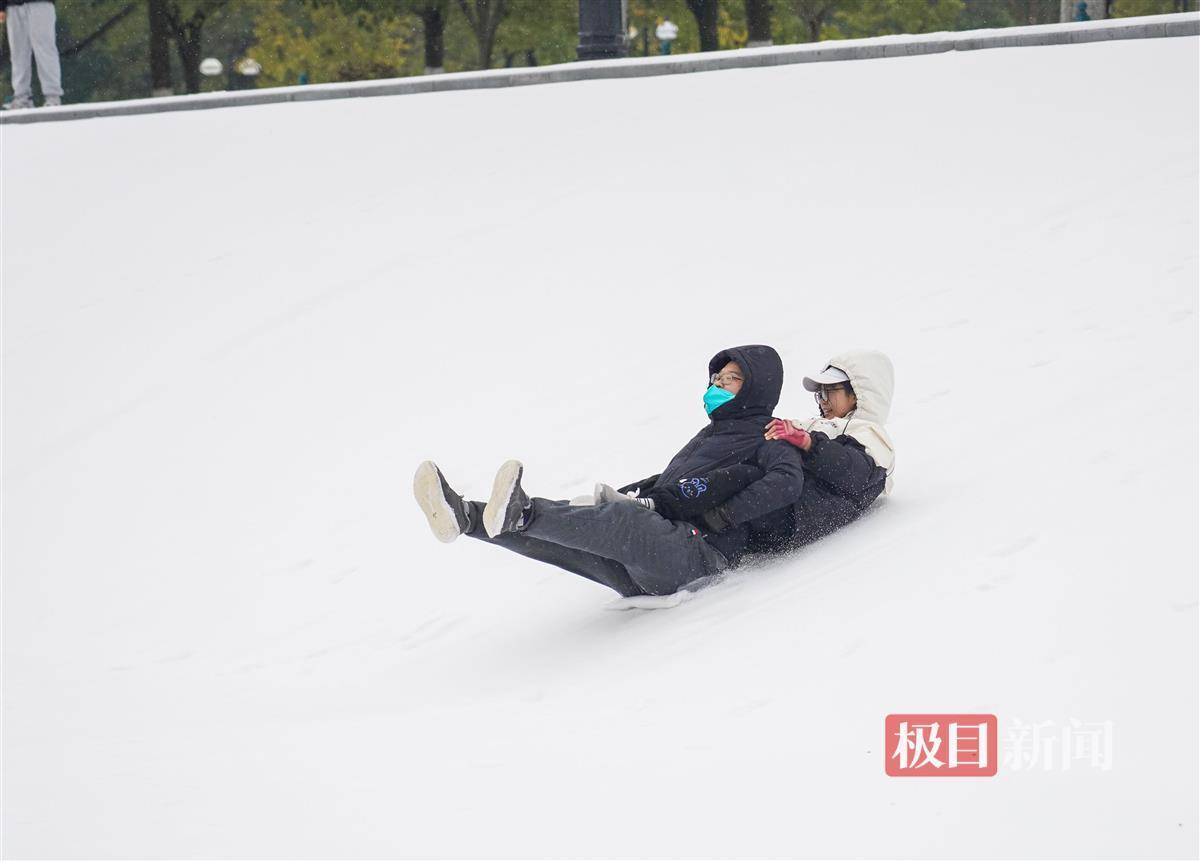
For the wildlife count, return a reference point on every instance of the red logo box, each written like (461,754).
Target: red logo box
(940,745)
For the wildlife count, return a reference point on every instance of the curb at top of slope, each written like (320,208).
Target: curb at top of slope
(1151,27)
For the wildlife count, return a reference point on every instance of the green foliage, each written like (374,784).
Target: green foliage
(1025,12)
(1134,8)
(876,18)
(984,14)
(331,42)
(549,28)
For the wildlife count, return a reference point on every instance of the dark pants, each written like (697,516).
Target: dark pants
(625,547)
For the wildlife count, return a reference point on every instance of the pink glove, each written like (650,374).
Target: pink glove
(788,432)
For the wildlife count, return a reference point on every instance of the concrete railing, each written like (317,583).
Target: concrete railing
(1158,26)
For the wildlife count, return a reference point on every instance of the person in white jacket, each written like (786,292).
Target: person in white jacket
(854,396)
(848,455)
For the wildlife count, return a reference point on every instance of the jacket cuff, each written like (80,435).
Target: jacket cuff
(818,439)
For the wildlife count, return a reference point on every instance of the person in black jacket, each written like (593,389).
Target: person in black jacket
(631,548)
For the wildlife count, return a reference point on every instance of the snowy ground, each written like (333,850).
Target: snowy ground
(230,336)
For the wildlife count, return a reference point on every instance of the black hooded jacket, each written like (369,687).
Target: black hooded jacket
(734,435)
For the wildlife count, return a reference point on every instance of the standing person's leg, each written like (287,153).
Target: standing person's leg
(21,52)
(42,21)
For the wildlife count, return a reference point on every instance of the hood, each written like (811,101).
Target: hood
(763,372)
(872,377)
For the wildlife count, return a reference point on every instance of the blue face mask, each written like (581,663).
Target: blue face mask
(715,397)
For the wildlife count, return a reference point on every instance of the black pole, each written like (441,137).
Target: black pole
(601,30)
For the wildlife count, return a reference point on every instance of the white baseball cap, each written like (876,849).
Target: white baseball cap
(827,377)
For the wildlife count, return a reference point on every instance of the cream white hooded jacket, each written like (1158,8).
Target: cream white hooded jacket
(872,377)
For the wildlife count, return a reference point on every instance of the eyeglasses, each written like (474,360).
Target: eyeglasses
(824,393)
(725,379)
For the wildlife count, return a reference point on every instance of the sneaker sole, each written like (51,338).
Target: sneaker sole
(427,488)
(502,490)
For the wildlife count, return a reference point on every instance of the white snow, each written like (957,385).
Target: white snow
(231,335)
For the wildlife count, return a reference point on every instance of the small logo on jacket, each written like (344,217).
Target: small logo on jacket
(690,488)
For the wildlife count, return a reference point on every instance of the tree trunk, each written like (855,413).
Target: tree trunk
(706,17)
(434,24)
(187,37)
(485,52)
(758,23)
(189,58)
(484,16)
(814,12)
(160,50)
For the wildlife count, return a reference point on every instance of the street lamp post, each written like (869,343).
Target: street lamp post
(602,30)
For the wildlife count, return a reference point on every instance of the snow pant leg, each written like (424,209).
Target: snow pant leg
(660,555)
(42,21)
(606,572)
(20,50)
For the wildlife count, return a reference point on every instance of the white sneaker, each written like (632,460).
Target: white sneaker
(442,507)
(19,104)
(505,510)
(52,102)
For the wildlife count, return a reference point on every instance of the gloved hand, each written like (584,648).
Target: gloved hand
(788,432)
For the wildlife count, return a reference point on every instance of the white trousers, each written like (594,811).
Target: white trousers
(31,35)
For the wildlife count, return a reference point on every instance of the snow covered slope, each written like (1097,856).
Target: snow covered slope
(230,336)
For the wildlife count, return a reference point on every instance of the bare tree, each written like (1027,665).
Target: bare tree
(484,16)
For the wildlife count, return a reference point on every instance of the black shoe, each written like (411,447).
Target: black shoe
(505,510)
(445,509)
